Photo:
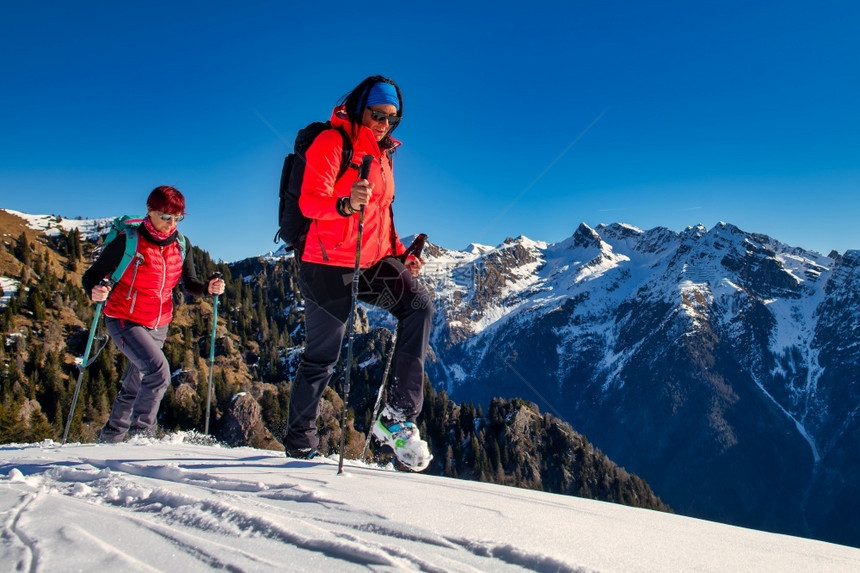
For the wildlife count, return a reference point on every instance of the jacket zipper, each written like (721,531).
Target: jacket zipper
(382,212)
(161,288)
(319,238)
(138,259)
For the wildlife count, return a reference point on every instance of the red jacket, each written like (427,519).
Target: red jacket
(332,238)
(144,293)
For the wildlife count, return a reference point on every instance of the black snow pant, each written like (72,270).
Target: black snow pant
(328,300)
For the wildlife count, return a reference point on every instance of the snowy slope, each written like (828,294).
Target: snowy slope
(52,224)
(10,287)
(171,505)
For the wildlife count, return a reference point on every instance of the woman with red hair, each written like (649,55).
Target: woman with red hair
(139,309)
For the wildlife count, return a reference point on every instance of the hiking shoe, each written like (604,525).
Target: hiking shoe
(110,435)
(302,453)
(141,432)
(405,440)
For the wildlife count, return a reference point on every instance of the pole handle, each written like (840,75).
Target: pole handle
(416,248)
(364,170)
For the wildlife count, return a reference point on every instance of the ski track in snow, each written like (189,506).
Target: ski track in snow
(164,505)
(23,550)
(226,516)
(181,504)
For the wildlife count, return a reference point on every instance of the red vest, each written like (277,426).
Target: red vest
(144,293)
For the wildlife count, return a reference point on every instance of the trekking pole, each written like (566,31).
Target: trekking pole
(363,173)
(211,355)
(85,361)
(382,385)
(415,250)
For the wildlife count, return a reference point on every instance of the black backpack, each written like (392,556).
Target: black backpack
(293,226)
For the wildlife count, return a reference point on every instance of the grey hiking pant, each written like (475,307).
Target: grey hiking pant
(145,379)
(328,300)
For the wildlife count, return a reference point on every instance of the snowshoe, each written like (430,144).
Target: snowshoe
(405,440)
(302,453)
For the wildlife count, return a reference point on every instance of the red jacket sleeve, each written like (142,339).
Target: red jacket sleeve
(399,247)
(318,199)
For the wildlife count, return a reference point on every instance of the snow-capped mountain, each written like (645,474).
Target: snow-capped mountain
(719,365)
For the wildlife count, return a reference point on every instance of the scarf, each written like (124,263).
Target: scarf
(157,235)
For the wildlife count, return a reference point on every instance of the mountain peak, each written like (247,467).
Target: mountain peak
(726,228)
(620,230)
(696,231)
(477,249)
(851,258)
(586,237)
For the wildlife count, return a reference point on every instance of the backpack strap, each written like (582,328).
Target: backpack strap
(346,156)
(127,255)
(183,247)
(390,154)
(131,252)
(393,232)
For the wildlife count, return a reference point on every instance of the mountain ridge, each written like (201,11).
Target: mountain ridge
(734,333)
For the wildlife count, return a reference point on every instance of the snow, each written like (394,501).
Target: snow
(170,504)
(10,287)
(279,254)
(51,224)
(477,248)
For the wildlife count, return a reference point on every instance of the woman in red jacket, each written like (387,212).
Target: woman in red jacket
(368,115)
(139,311)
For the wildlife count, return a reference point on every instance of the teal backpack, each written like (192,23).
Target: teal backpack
(128,225)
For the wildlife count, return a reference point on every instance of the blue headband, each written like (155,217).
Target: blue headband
(383,93)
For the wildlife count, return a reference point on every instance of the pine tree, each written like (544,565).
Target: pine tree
(38,428)
(11,428)
(6,316)
(52,392)
(22,249)
(73,251)
(37,304)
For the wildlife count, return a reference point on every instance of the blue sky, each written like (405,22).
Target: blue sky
(520,118)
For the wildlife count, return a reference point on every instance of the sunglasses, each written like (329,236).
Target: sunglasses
(165,217)
(379,117)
